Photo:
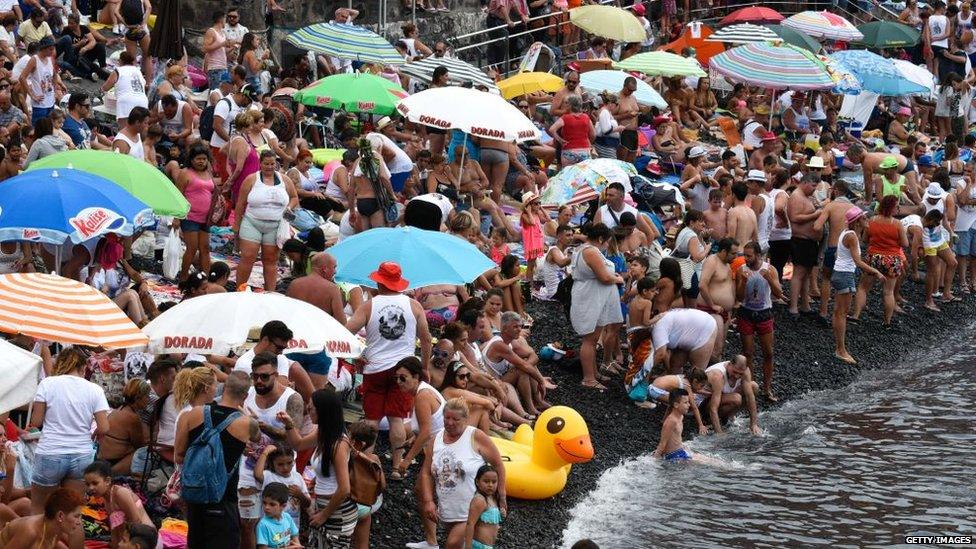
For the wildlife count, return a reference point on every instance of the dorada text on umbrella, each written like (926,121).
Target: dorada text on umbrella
(91,222)
(436,122)
(206,344)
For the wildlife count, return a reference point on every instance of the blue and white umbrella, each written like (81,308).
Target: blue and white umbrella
(877,74)
(346,42)
(52,206)
(425,257)
(613,81)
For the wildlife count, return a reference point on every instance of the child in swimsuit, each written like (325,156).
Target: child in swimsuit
(484,516)
(670,447)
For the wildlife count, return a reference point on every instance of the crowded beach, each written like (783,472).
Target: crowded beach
(387,293)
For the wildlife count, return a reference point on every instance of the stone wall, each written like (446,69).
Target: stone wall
(465,16)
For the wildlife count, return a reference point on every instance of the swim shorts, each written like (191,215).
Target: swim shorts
(932,252)
(755,322)
(830,257)
(367,206)
(805,252)
(678,455)
(383,397)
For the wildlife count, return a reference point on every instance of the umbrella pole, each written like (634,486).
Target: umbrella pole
(413,11)
(464,149)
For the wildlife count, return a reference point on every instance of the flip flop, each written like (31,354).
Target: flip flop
(842,359)
(594,385)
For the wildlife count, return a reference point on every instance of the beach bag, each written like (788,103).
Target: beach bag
(207,120)
(306,220)
(172,255)
(366,480)
(203,475)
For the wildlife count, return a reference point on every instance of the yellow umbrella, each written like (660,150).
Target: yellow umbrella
(608,22)
(525,83)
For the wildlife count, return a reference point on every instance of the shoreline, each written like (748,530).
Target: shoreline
(620,431)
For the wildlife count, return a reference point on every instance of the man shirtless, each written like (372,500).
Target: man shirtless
(870,162)
(13,163)
(570,87)
(834,215)
(742,225)
(318,288)
(769,145)
(628,239)
(730,165)
(716,216)
(626,114)
(805,242)
(730,384)
(717,296)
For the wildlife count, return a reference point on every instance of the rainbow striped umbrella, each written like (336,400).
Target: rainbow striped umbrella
(777,67)
(661,63)
(346,42)
(824,25)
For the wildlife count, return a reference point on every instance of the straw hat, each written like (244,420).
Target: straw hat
(816,162)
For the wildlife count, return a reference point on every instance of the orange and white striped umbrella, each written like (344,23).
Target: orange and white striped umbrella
(55,308)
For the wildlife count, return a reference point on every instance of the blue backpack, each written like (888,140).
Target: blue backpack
(203,475)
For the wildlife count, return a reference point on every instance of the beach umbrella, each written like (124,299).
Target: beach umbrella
(219,323)
(918,74)
(845,81)
(743,33)
(796,38)
(525,83)
(166,37)
(346,42)
(458,71)
(471,111)
(54,308)
(661,63)
(357,92)
(613,81)
(877,74)
(52,206)
(139,178)
(887,34)
(823,25)
(704,50)
(19,372)
(585,181)
(752,14)
(778,67)
(609,22)
(425,257)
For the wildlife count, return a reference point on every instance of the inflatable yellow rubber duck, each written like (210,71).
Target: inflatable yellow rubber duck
(537,462)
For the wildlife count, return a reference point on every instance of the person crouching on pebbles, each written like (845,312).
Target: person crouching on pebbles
(670,448)
(730,385)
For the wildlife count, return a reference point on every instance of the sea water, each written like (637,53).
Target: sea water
(890,456)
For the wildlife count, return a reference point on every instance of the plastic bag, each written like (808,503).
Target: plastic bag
(172,255)
(284,233)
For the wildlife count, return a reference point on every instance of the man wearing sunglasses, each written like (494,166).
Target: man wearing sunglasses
(560,105)
(264,401)
(273,338)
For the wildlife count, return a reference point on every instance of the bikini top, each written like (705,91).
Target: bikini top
(492,515)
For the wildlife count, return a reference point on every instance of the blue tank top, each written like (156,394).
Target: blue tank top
(758,293)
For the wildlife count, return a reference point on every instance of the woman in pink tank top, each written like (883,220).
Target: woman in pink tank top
(197,185)
(242,156)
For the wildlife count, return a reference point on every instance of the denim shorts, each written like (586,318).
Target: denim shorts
(842,282)
(50,471)
(966,245)
(214,77)
(188,226)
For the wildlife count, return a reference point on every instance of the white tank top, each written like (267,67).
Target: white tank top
(411,46)
(721,367)
(267,202)
(776,232)
(437,418)
(136,150)
(749,138)
(845,261)
(765,221)
(940,205)
(41,82)
(500,367)
(454,467)
(268,416)
(130,85)
(175,124)
(324,485)
(391,333)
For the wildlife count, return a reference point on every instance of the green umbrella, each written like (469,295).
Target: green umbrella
(885,34)
(661,63)
(360,92)
(796,38)
(142,180)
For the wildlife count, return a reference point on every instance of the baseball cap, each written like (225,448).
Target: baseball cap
(769,136)
(249,92)
(888,163)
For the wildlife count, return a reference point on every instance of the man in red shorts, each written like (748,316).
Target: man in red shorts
(393,323)
(756,284)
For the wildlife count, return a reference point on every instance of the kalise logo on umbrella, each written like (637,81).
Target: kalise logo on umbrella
(31,234)
(92,222)
(323,100)
(366,105)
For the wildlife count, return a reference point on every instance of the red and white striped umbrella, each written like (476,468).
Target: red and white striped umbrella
(55,308)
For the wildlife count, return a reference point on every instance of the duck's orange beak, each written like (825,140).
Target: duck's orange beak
(575,450)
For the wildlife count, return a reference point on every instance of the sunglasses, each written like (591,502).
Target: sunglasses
(439,52)
(523,106)
(262,377)
(463,376)
(401,379)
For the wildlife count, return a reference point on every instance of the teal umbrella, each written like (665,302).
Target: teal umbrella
(346,42)
(796,38)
